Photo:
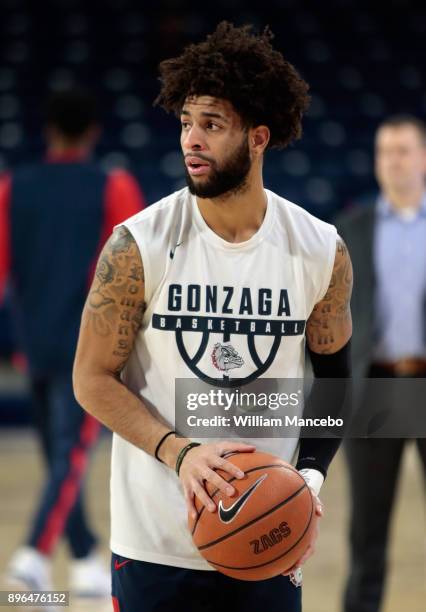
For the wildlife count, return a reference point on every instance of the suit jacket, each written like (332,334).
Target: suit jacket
(357,228)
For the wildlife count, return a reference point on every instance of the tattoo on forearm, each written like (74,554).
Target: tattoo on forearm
(333,312)
(114,304)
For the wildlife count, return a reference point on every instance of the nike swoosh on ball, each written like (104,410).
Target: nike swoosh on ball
(227,515)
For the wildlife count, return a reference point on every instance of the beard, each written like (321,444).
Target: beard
(227,179)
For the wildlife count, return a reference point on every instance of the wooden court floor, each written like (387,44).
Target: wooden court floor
(21,477)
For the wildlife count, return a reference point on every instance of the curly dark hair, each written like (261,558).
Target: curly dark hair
(237,65)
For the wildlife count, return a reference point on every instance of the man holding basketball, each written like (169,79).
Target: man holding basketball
(183,264)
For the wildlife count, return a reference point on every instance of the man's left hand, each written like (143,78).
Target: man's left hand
(313,537)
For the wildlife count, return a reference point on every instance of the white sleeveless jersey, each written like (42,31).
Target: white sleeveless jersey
(264,289)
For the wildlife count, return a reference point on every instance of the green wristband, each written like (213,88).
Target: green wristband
(182,455)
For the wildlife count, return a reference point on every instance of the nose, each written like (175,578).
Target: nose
(193,139)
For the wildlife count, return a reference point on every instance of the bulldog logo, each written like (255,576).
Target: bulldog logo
(225,357)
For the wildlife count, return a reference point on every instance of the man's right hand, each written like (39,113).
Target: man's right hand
(199,466)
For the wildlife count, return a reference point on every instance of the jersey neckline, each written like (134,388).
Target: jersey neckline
(208,234)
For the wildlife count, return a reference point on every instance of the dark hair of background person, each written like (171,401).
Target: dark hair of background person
(242,67)
(72,112)
(406,119)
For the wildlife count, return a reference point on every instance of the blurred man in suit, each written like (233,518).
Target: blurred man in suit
(54,218)
(387,242)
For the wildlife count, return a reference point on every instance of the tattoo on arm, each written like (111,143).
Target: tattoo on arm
(115,305)
(330,322)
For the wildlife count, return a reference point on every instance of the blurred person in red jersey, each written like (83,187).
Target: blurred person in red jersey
(54,219)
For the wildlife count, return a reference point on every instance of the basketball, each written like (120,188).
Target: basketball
(264,528)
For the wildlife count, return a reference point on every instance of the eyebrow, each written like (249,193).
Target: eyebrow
(207,114)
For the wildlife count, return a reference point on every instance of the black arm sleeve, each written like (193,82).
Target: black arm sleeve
(317,453)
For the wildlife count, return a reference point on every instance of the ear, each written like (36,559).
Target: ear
(259,139)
